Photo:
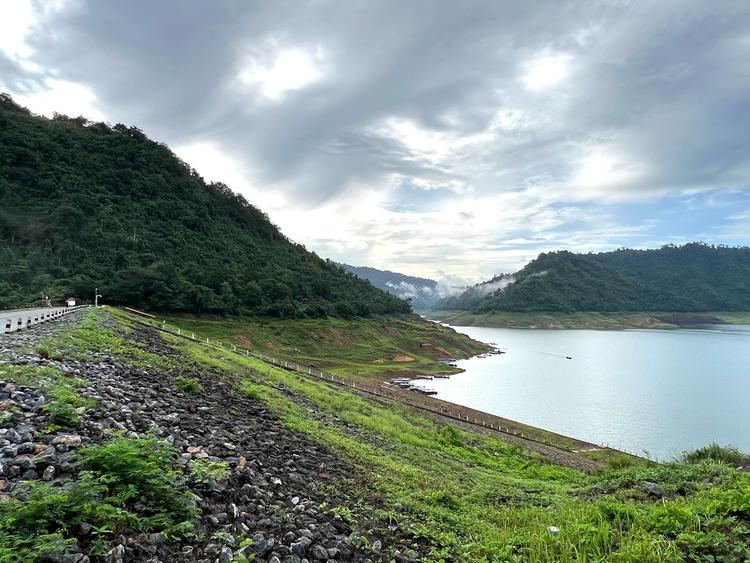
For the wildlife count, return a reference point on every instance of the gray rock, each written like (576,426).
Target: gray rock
(652,489)
(264,546)
(318,552)
(115,555)
(49,473)
(300,546)
(225,555)
(157,539)
(25,448)
(233,511)
(67,558)
(69,440)
(45,457)
(30,475)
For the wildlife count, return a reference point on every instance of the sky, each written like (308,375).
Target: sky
(445,139)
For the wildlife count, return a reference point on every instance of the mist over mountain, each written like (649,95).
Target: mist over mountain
(422,293)
(695,277)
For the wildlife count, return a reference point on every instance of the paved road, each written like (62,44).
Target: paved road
(10,321)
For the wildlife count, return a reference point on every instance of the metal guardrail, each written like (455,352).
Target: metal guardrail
(11,321)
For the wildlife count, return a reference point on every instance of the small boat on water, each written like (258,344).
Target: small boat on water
(424,391)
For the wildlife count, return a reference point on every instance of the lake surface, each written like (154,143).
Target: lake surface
(654,391)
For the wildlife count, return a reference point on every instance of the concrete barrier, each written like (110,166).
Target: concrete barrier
(11,321)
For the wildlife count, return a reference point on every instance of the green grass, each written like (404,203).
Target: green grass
(362,348)
(64,404)
(475,498)
(101,331)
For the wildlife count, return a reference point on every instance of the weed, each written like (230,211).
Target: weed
(189,385)
(65,405)
(205,471)
(715,452)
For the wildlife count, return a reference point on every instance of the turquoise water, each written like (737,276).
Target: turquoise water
(646,391)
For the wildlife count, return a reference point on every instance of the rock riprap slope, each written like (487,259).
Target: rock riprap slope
(242,485)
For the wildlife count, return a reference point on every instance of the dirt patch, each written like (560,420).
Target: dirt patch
(402,358)
(443,352)
(243,340)
(338,337)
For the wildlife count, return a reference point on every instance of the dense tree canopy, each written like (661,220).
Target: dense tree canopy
(86,205)
(694,277)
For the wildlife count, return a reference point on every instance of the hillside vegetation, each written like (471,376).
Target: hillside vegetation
(695,277)
(85,205)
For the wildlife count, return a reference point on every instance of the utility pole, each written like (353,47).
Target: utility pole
(96,297)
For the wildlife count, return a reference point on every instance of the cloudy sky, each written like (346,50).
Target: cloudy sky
(437,138)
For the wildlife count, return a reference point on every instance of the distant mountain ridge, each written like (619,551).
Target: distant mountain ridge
(695,277)
(422,292)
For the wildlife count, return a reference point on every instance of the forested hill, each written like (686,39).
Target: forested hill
(690,278)
(422,293)
(85,205)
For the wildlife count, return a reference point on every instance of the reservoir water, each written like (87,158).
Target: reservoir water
(655,391)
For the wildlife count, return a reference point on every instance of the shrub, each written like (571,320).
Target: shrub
(715,452)
(620,461)
(136,469)
(126,482)
(189,385)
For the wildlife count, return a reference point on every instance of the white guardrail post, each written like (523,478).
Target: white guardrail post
(11,321)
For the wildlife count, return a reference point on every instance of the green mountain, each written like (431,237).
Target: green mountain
(422,293)
(85,205)
(690,278)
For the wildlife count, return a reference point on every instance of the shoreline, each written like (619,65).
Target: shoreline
(587,320)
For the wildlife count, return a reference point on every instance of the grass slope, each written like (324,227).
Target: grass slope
(469,496)
(474,498)
(372,347)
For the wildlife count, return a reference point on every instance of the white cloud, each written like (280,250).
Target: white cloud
(546,71)
(287,70)
(18,17)
(217,166)
(602,169)
(62,96)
